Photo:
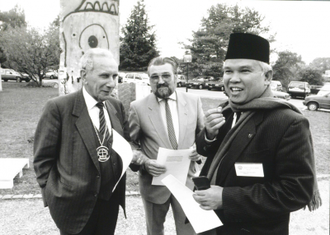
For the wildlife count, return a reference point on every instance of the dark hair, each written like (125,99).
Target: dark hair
(164,60)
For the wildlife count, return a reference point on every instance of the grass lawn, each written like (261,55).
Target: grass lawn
(21,107)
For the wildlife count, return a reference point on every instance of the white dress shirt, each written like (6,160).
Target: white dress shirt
(172,103)
(94,111)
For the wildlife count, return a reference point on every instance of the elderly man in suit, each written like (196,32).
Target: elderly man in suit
(167,119)
(259,149)
(76,167)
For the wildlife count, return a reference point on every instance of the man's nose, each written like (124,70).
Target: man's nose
(235,77)
(111,82)
(161,80)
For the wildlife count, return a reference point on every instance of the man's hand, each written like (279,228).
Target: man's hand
(138,157)
(209,199)
(154,168)
(213,121)
(194,156)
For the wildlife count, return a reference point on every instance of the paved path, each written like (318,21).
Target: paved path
(29,217)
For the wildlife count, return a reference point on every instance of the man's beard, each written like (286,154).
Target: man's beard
(163,91)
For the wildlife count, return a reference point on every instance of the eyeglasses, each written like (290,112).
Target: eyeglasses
(165,77)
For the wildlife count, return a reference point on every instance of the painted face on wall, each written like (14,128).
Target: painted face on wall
(244,80)
(162,80)
(101,80)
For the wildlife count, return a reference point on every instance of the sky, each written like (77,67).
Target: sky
(301,27)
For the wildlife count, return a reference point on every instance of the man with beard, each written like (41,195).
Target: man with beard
(169,119)
(259,149)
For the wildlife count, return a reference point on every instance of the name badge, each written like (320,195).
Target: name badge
(249,169)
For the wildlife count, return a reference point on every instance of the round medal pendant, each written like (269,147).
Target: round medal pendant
(103,153)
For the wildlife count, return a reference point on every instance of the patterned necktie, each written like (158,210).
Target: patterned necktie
(170,128)
(102,129)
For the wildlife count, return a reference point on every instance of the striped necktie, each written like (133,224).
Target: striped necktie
(102,129)
(170,127)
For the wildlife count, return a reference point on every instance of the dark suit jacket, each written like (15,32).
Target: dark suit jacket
(65,159)
(279,139)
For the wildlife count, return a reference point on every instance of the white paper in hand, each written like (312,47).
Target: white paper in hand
(177,163)
(200,219)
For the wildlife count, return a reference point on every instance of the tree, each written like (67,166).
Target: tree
(31,52)
(138,46)
(287,67)
(312,76)
(210,42)
(321,64)
(13,18)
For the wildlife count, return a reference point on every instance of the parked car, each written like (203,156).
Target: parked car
(51,74)
(50,83)
(324,89)
(276,85)
(138,78)
(314,102)
(298,88)
(181,81)
(282,95)
(199,82)
(315,89)
(121,77)
(215,83)
(10,74)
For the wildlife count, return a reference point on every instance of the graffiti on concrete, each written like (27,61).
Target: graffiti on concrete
(84,25)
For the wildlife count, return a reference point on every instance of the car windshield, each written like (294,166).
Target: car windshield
(296,84)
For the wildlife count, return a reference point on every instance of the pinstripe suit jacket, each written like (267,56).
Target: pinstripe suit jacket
(280,139)
(65,159)
(147,129)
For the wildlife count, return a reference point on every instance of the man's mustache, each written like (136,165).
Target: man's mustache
(162,85)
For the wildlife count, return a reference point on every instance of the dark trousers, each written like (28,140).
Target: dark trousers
(103,219)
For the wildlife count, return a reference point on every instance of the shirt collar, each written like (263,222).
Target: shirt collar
(89,100)
(171,97)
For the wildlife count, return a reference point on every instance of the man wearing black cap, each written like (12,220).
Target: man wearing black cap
(259,148)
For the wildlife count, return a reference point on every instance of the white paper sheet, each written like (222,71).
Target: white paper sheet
(124,150)
(177,164)
(200,219)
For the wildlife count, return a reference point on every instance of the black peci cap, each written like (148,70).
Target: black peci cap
(248,46)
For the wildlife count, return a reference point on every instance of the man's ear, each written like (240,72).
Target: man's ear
(83,76)
(268,77)
(175,77)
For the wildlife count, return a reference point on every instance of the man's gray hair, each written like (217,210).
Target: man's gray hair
(164,60)
(87,60)
(264,66)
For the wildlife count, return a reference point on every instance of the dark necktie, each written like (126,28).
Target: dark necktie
(170,128)
(102,129)
(238,115)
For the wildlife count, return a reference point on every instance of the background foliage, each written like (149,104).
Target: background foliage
(138,46)
(26,49)
(209,43)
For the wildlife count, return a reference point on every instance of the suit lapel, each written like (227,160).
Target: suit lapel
(114,118)
(239,144)
(183,117)
(156,120)
(85,127)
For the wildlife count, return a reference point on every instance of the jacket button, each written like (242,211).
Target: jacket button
(250,136)
(95,195)
(97,177)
